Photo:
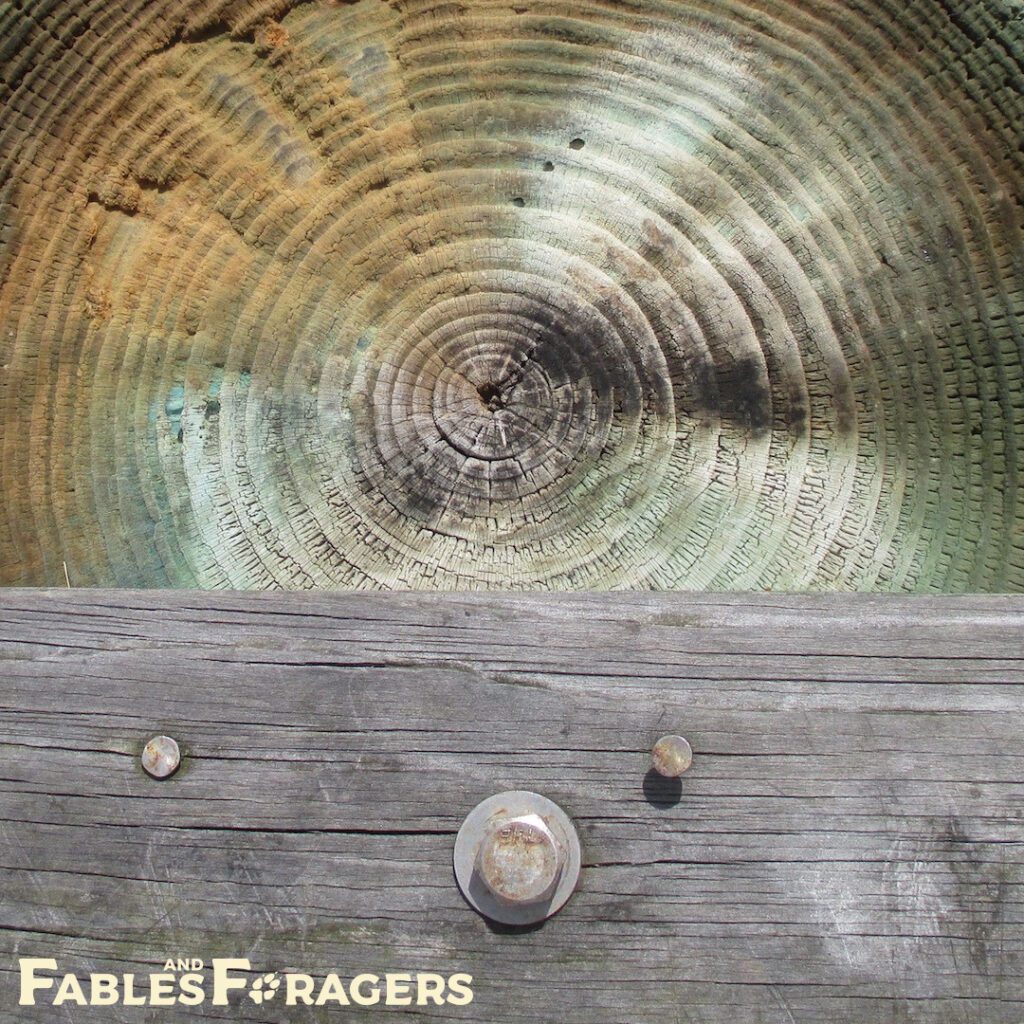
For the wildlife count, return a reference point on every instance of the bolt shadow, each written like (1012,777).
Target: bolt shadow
(660,791)
(497,928)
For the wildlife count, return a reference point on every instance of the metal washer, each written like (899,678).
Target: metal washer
(467,845)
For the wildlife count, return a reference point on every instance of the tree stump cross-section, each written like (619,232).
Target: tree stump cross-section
(535,294)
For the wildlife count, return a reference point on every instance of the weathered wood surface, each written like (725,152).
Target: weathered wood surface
(532,294)
(846,847)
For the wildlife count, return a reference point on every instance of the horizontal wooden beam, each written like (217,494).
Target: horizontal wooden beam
(847,846)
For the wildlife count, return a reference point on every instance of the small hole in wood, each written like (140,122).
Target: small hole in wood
(491,395)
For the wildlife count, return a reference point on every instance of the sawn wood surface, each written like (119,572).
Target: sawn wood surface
(847,846)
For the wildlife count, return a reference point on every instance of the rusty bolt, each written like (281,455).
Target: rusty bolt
(671,756)
(520,859)
(161,757)
(517,858)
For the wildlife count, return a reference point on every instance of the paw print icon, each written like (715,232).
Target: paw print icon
(264,988)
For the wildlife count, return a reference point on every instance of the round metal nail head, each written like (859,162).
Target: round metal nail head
(161,757)
(517,858)
(671,756)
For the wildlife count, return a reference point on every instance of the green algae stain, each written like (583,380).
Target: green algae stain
(173,408)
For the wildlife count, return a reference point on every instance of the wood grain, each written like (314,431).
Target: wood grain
(540,294)
(846,848)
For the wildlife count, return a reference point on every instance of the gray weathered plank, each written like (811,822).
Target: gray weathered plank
(846,847)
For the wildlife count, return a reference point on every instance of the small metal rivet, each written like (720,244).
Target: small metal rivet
(671,756)
(517,858)
(161,757)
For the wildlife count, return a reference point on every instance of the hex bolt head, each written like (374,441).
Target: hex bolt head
(517,858)
(520,859)
(161,757)
(671,756)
